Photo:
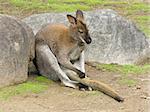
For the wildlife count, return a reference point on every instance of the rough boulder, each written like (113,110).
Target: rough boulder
(16,50)
(115,39)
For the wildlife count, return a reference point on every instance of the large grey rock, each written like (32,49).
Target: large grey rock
(16,49)
(115,39)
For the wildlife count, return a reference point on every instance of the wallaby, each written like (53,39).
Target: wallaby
(61,48)
(67,44)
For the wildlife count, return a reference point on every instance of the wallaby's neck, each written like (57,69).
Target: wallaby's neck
(72,37)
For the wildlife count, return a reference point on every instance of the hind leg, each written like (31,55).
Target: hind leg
(48,66)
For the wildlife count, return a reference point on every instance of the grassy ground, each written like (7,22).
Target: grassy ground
(124,69)
(40,84)
(136,10)
(127,72)
(37,85)
(56,98)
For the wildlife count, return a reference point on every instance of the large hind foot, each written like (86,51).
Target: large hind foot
(83,87)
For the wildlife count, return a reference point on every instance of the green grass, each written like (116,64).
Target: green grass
(127,81)
(40,84)
(124,69)
(142,7)
(51,5)
(42,79)
(69,8)
(143,23)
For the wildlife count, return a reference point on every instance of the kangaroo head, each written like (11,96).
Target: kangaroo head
(78,29)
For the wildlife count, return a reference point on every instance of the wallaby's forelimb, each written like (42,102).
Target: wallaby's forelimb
(68,65)
(97,85)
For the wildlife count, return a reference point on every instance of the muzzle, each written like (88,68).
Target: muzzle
(88,40)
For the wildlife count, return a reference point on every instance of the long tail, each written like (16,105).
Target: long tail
(97,85)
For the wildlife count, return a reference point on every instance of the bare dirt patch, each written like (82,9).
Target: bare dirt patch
(62,99)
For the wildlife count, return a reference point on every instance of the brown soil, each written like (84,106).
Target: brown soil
(62,99)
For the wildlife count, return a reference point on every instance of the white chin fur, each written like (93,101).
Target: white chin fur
(82,40)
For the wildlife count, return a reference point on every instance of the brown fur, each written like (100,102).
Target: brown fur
(58,39)
(64,40)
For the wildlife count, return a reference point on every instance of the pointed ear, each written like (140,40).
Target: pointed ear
(72,19)
(79,15)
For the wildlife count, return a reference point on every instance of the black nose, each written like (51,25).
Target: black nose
(89,40)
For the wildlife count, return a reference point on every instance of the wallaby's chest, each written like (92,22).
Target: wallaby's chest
(64,49)
(75,52)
